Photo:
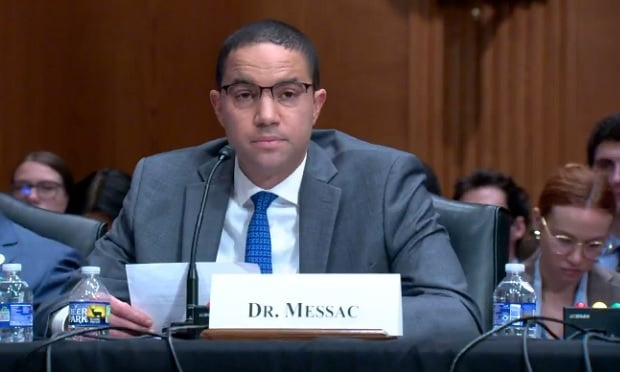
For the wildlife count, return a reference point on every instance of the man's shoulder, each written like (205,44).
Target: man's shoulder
(339,144)
(198,153)
(180,161)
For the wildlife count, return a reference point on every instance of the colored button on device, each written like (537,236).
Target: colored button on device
(615,305)
(581,305)
(599,305)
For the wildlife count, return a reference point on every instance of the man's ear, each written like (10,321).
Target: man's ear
(216,101)
(320,96)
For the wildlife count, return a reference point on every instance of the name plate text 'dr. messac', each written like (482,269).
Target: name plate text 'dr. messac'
(307,301)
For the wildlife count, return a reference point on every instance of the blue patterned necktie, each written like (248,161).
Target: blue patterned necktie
(258,243)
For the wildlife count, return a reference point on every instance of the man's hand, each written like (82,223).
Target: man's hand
(124,315)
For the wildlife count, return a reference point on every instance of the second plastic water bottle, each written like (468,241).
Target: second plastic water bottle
(514,298)
(15,306)
(89,304)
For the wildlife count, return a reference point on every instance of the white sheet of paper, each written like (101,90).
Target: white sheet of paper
(158,289)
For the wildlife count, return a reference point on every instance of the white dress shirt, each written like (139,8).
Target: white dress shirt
(283,215)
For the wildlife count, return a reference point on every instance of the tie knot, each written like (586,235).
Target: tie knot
(262,200)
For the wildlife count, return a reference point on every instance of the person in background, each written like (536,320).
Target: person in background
(604,155)
(47,265)
(100,195)
(488,186)
(575,210)
(44,180)
(338,204)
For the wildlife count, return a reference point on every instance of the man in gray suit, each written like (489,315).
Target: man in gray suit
(341,205)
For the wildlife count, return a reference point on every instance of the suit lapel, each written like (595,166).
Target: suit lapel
(318,206)
(214,212)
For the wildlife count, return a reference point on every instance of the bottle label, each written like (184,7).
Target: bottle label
(15,314)
(89,314)
(504,312)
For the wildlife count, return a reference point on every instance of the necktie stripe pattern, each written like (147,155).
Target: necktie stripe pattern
(258,243)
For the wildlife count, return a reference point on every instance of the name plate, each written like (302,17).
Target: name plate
(307,301)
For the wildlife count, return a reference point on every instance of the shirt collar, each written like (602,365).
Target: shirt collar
(287,190)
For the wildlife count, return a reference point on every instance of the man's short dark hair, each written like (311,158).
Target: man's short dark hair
(517,199)
(274,32)
(607,129)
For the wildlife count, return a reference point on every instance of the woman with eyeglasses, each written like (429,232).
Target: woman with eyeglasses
(44,180)
(574,213)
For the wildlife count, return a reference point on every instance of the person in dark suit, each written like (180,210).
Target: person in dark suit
(341,205)
(575,209)
(47,265)
(490,186)
(603,152)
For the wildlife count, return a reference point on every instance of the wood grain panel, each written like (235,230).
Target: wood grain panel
(516,86)
(513,84)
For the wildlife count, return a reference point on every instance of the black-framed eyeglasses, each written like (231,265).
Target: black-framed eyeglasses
(44,189)
(565,244)
(246,95)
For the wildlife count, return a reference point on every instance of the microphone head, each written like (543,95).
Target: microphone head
(226,152)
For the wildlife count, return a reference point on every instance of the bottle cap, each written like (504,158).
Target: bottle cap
(514,268)
(12,267)
(91,270)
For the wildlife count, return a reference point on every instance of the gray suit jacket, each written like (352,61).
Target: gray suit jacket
(363,209)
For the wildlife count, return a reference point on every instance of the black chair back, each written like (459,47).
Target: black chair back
(479,235)
(75,231)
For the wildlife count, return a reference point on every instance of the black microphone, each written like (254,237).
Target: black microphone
(198,315)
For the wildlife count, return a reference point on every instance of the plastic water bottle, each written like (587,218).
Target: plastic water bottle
(89,304)
(514,298)
(15,306)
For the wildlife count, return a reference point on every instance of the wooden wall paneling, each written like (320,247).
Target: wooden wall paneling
(516,136)
(575,148)
(536,135)
(425,73)
(456,127)
(419,120)
(31,69)
(363,52)
(10,52)
(503,108)
(518,88)
(467,145)
(595,24)
(106,83)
